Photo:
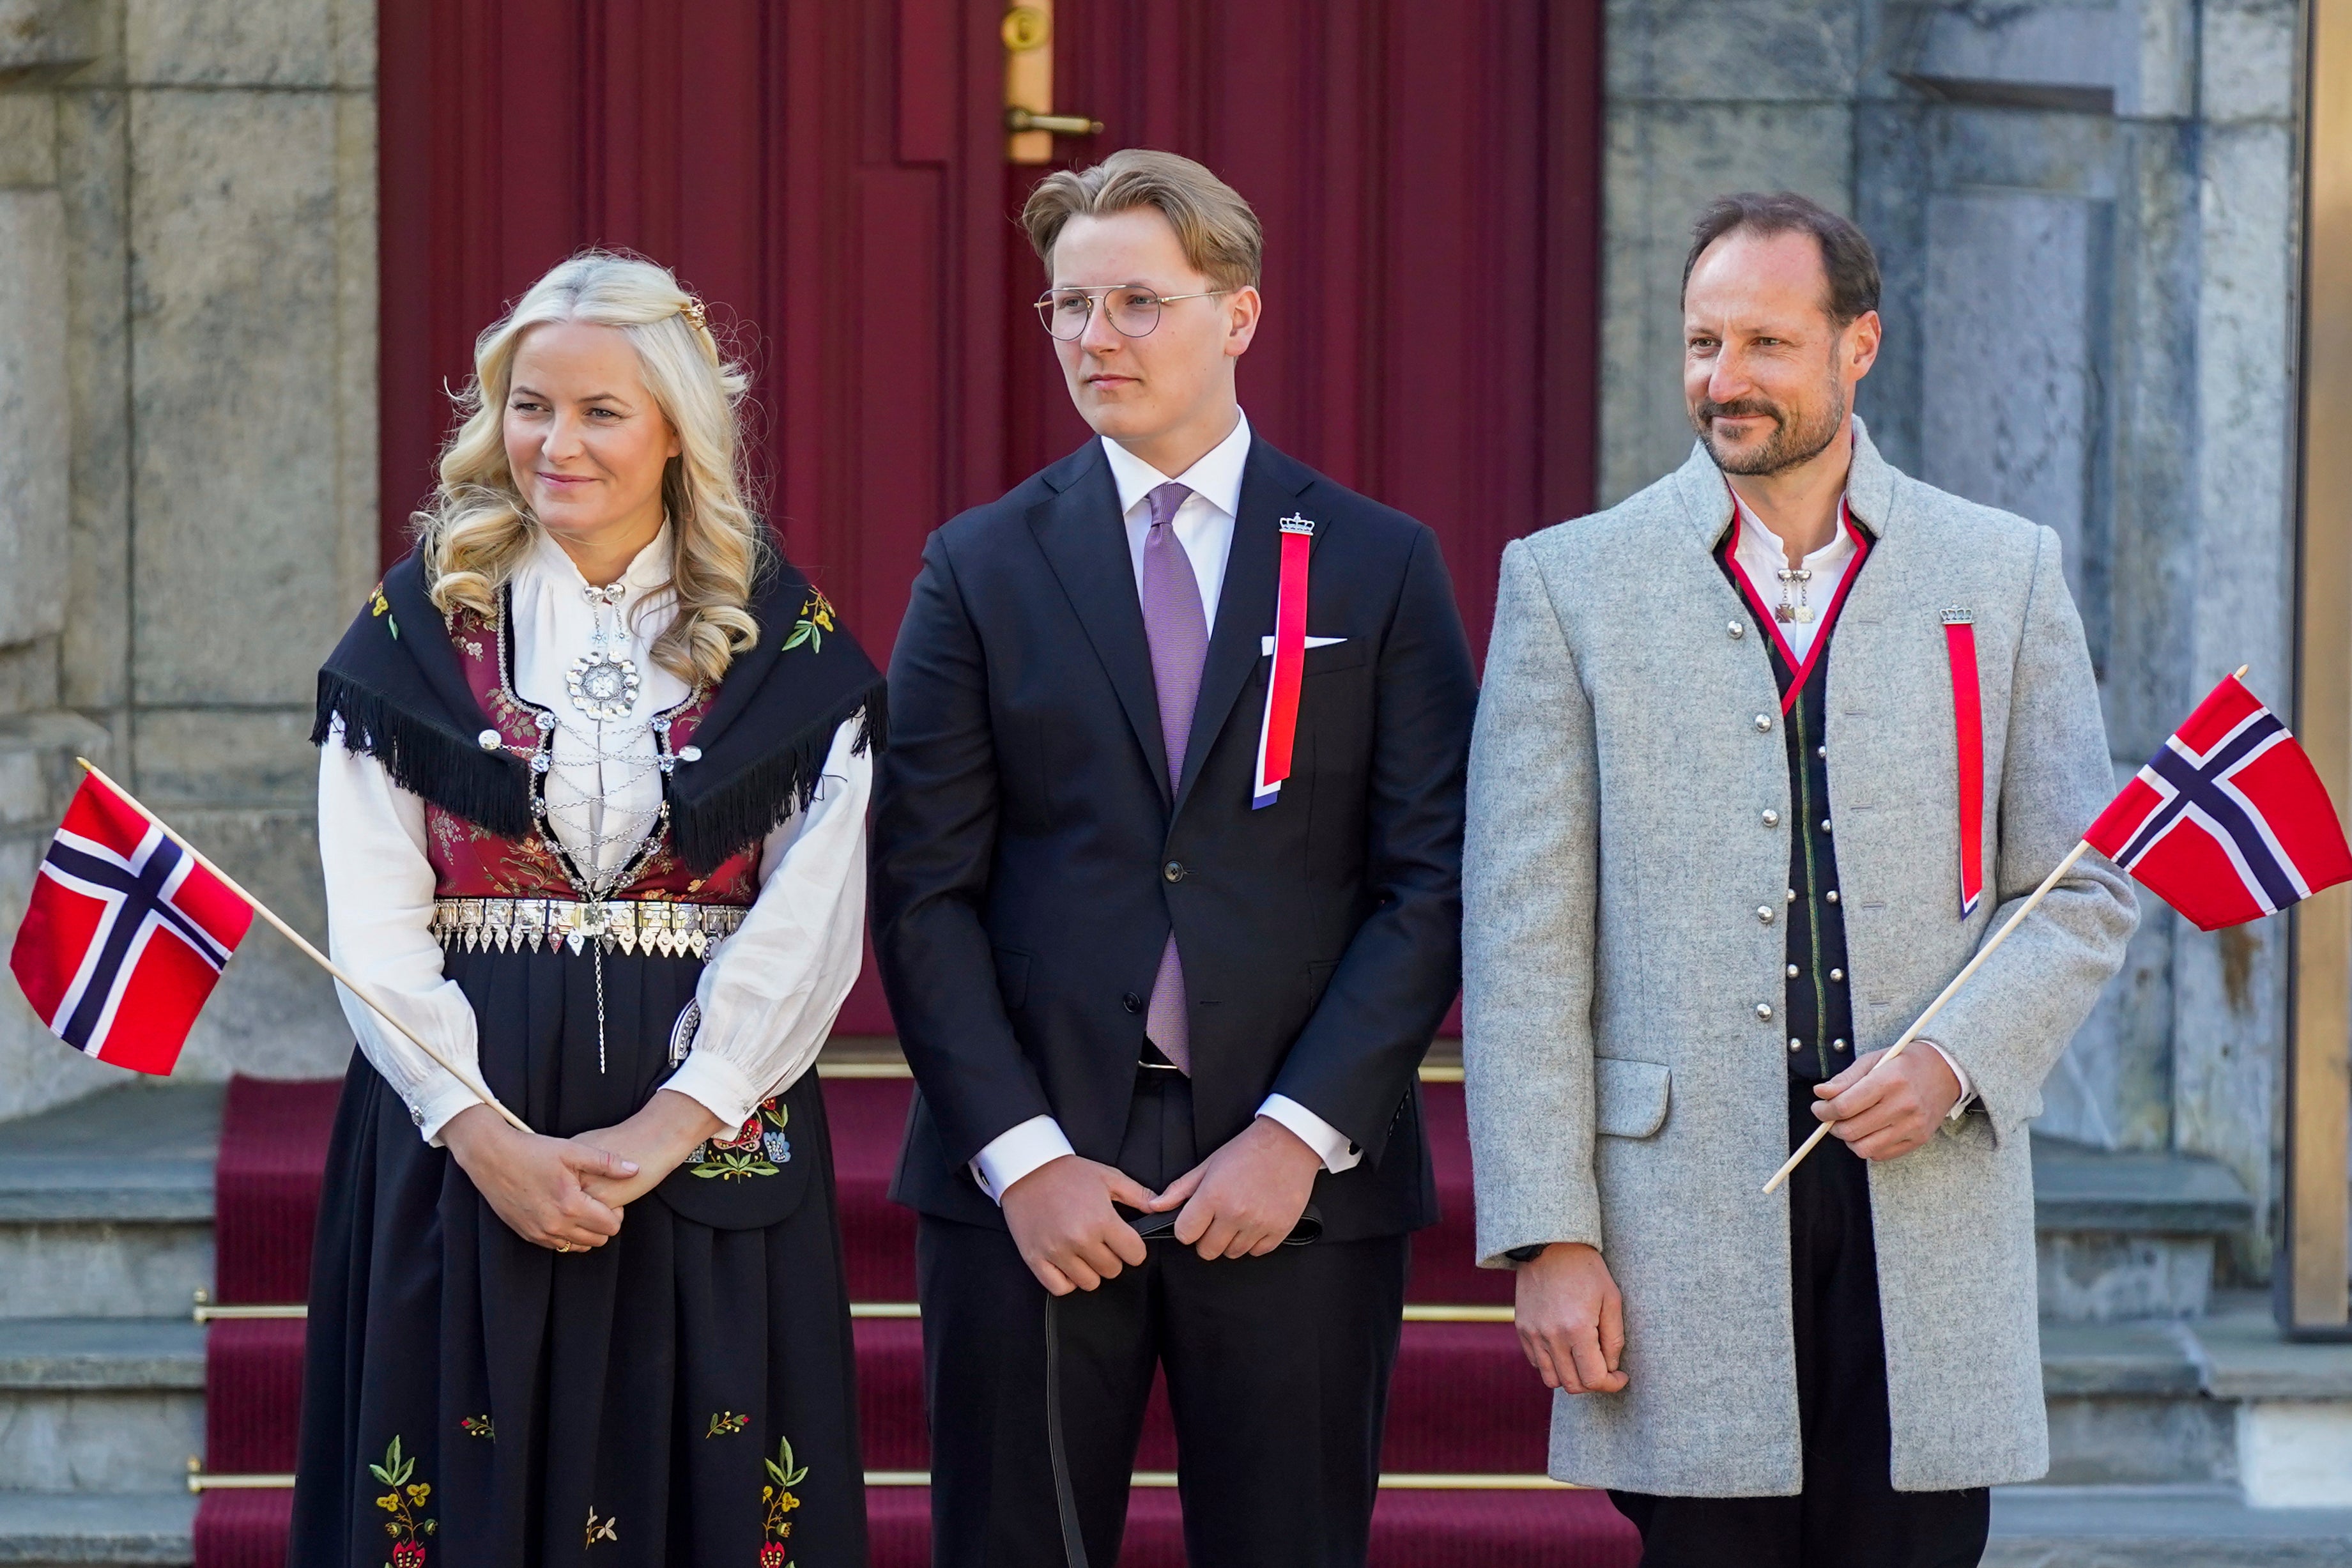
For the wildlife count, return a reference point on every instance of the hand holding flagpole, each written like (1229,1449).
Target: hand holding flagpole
(297,938)
(2228,822)
(1920,1023)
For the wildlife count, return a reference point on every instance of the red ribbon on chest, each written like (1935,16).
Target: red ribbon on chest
(1278,733)
(1967,726)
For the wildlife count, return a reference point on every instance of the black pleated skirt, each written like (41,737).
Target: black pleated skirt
(684,1395)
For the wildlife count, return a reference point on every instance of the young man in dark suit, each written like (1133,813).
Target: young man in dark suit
(1164,1018)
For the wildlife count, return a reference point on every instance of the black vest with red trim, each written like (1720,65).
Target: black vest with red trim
(1817,1011)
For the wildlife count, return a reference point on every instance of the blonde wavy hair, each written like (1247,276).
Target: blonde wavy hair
(477,529)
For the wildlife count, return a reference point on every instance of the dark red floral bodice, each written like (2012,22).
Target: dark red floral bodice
(469,861)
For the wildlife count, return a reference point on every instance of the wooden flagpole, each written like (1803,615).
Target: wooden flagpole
(2081,848)
(298,940)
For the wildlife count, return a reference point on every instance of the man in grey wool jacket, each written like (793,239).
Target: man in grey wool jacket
(1752,743)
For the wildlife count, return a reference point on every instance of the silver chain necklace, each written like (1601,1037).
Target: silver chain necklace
(603,685)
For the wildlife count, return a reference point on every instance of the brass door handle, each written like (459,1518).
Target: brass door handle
(1018,119)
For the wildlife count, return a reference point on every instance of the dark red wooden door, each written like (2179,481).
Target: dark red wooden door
(833,179)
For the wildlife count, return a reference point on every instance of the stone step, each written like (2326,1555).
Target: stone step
(89,1529)
(2032,1527)
(100,1405)
(2158,1527)
(106,1204)
(2220,1399)
(2123,1234)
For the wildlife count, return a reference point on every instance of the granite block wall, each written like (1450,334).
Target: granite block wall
(187,298)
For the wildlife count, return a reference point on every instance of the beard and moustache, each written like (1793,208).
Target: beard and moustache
(1789,443)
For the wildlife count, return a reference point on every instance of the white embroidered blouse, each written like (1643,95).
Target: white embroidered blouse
(768,997)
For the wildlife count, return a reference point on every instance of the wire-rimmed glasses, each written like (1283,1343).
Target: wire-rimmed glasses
(1133,308)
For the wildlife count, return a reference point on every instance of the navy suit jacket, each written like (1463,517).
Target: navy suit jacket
(1030,857)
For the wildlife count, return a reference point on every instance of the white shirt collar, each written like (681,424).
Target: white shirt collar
(1217,479)
(647,570)
(1757,543)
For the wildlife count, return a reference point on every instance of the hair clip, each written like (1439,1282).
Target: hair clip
(693,312)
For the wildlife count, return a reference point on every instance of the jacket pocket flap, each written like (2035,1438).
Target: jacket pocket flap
(1632,1097)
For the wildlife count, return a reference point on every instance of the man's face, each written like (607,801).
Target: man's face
(1767,376)
(1136,388)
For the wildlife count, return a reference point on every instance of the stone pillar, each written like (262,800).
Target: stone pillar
(1704,97)
(209,182)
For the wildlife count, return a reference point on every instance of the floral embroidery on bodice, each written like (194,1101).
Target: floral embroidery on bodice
(471,862)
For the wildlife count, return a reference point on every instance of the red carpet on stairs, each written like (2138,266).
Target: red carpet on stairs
(1464,1402)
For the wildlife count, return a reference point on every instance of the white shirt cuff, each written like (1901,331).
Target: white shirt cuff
(1331,1144)
(1968,1089)
(434,1110)
(1014,1153)
(718,1086)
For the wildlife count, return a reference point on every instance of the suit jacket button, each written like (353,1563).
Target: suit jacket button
(1764,913)
(1764,1011)
(1173,870)
(1131,1002)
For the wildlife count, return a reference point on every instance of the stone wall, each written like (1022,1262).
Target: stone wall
(2086,215)
(187,489)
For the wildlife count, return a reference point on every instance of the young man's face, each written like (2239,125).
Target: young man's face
(1768,375)
(1138,388)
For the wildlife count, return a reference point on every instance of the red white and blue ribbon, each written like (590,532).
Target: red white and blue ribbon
(1967,725)
(1279,729)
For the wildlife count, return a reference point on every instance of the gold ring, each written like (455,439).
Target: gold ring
(562,1246)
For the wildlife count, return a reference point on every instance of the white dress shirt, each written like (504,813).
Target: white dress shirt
(768,996)
(1760,557)
(1204,527)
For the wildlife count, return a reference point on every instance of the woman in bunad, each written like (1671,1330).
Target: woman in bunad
(592,804)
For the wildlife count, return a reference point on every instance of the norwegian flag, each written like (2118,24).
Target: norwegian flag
(125,934)
(2229,821)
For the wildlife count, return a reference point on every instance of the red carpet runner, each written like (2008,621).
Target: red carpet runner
(1463,1403)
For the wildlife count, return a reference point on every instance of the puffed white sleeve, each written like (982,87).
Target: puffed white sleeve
(380,885)
(769,997)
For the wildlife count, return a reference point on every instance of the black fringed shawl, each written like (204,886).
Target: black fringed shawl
(396,684)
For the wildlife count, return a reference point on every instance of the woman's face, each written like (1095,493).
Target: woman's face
(585,439)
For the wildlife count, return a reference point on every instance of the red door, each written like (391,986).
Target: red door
(834,179)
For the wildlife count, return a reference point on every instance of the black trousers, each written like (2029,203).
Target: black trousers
(1849,1515)
(1278,1377)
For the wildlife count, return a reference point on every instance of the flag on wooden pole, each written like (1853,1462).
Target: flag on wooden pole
(125,934)
(2229,821)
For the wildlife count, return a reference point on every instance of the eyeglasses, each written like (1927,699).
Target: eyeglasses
(1133,309)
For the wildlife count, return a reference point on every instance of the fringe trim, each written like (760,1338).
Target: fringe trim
(452,771)
(743,811)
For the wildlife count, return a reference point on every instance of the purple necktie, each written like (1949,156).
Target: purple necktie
(1178,631)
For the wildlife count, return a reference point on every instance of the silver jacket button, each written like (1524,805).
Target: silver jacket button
(1764,1011)
(1734,631)
(1795,1044)
(1837,975)
(1793,971)
(1763,723)
(1830,895)
(690,754)
(1764,913)
(489,739)
(1771,819)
